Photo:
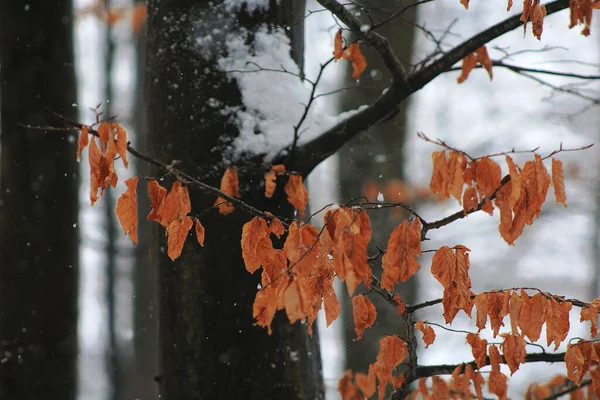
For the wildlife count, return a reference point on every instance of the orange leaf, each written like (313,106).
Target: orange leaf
(479,56)
(175,205)
(451,269)
(515,182)
(591,314)
(359,63)
(347,388)
(537,20)
(575,363)
(127,210)
(497,382)
(558,181)
(264,307)
(509,5)
(533,315)
(199,232)
(229,186)
(465,4)
(297,301)
(581,13)
(94,159)
(83,140)
(557,321)
(103,134)
(392,351)
(157,195)
(121,144)
(439,175)
(478,348)
(301,248)
(514,310)
(271,178)
(176,234)
(440,389)
(400,306)
(256,244)
(332,306)
(455,166)
(367,383)
(487,175)
(276,227)
(399,262)
(364,314)
(350,232)
(138,17)
(428,333)
(338,49)
(513,348)
(297,193)
(470,199)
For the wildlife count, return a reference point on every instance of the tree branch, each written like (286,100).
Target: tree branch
(446,369)
(311,153)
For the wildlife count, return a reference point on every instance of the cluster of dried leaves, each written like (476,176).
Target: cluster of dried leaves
(298,275)
(519,197)
(581,13)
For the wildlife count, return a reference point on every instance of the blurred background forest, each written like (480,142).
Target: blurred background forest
(100,308)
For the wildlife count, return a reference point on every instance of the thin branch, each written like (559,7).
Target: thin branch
(386,106)
(178,174)
(447,369)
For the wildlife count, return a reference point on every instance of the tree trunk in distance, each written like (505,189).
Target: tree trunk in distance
(209,347)
(38,204)
(144,282)
(376,158)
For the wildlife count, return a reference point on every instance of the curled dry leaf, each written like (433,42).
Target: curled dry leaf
(271,178)
(558,181)
(83,140)
(478,348)
(364,314)
(359,62)
(176,234)
(399,261)
(479,56)
(229,186)
(127,210)
(296,193)
(257,248)
(427,331)
(350,232)
(338,46)
(513,348)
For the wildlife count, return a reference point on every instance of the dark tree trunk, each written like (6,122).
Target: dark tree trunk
(208,344)
(376,158)
(144,282)
(38,204)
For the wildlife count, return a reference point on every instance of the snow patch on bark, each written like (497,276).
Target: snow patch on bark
(273,94)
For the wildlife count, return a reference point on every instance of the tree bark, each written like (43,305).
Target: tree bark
(209,347)
(38,204)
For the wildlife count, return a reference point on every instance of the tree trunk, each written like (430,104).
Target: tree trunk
(376,159)
(144,282)
(38,204)
(209,347)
